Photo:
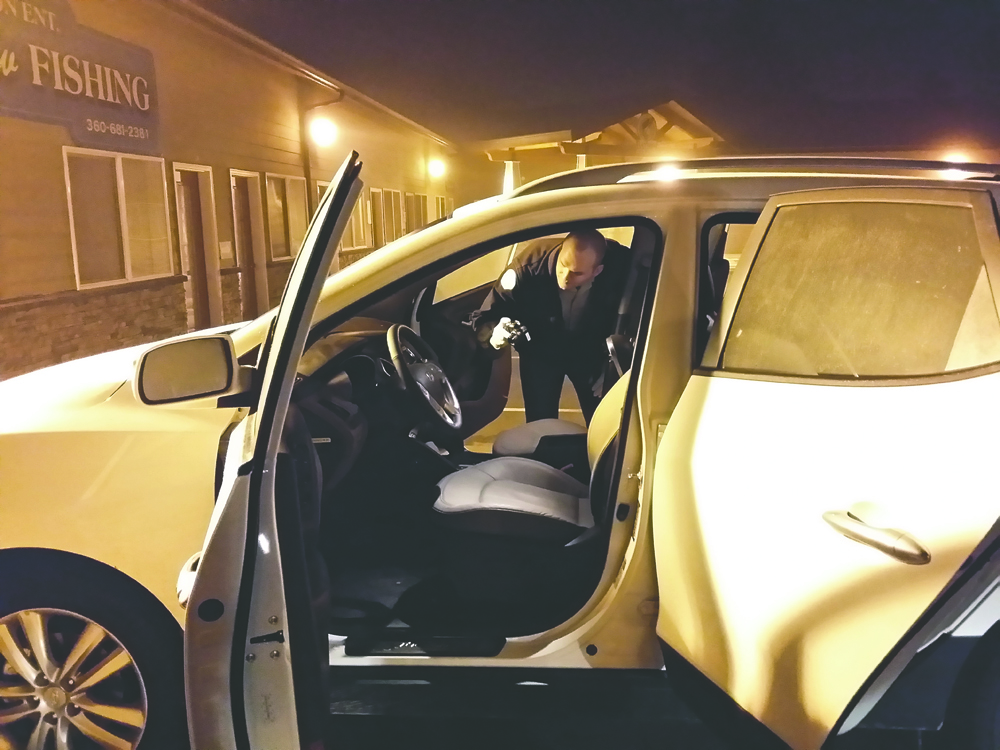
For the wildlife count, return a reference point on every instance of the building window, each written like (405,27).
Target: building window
(287,214)
(375,213)
(386,211)
(416,211)
(443,206)
(393,214)
(118,217)
(321,187)
(354,233)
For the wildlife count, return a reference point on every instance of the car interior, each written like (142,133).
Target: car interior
(409,543)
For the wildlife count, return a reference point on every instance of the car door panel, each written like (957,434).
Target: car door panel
(211,625)
(242,559)
(492,398)
(966,608)
(803,615)
(757,590)
(481,381)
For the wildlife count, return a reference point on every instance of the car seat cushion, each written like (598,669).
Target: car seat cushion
(516,497)
(523,439)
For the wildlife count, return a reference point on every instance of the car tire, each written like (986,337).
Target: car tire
(88,656)
(972,719)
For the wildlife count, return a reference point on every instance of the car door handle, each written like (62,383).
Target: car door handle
(893,542)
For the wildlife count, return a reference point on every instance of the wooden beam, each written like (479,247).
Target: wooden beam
(630,149)
(676,114)
(533,140)
(629,130)
(663,130)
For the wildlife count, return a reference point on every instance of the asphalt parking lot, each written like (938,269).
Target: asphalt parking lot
(585,714)
(369,715)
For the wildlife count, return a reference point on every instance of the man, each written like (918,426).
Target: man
(557,304)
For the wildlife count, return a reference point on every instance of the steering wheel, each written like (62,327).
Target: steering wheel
(421,376)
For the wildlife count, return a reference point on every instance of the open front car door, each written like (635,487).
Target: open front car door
(255,659)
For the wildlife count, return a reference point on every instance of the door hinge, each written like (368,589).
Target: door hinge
(278,636)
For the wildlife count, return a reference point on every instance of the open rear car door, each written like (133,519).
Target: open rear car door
(255,658)
(829,467)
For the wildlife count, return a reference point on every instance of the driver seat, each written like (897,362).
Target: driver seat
(513,523)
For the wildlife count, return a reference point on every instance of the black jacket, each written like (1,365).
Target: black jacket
(534,301)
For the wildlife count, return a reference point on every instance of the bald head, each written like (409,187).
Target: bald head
(589,240)
(581,258)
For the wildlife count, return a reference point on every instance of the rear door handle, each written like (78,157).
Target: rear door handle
(895,543)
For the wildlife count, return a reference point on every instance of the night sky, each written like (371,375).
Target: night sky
(768,74)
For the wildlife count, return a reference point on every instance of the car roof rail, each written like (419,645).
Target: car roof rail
(611,173)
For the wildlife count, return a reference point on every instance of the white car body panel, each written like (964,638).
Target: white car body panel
(750,467)
(68,434)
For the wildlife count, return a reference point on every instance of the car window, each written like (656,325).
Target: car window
(488,268)
(866,289)
(621,235)
(722,239)
(476,273)
(736,238)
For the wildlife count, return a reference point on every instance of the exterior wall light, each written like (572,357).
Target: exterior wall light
(435,168)
(322,131)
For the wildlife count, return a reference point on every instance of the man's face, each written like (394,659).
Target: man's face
(576,265)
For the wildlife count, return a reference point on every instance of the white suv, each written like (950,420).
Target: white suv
(785,496)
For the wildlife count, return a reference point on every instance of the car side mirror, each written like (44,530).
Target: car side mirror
(189,369)
(620,352)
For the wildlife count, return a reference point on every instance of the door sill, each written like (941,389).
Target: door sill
(405,643)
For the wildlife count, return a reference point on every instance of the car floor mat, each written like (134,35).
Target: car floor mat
(435,606)
(382,584)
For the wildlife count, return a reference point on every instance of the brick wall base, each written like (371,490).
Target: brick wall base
(277,277)
(232,306)
(41,331)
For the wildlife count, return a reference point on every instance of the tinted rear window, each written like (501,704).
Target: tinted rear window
(866,290)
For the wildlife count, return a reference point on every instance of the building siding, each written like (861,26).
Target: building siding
(220,104)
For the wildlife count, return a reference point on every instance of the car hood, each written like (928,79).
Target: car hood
(77,384)
(32,400)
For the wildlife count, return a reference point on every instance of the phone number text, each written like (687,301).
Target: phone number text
(117,128)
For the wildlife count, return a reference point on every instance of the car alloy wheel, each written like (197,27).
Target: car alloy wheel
(66,683)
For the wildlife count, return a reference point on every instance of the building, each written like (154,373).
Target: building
(157,173)
(663,132)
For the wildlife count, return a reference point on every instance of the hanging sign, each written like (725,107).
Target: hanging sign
(102,89)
